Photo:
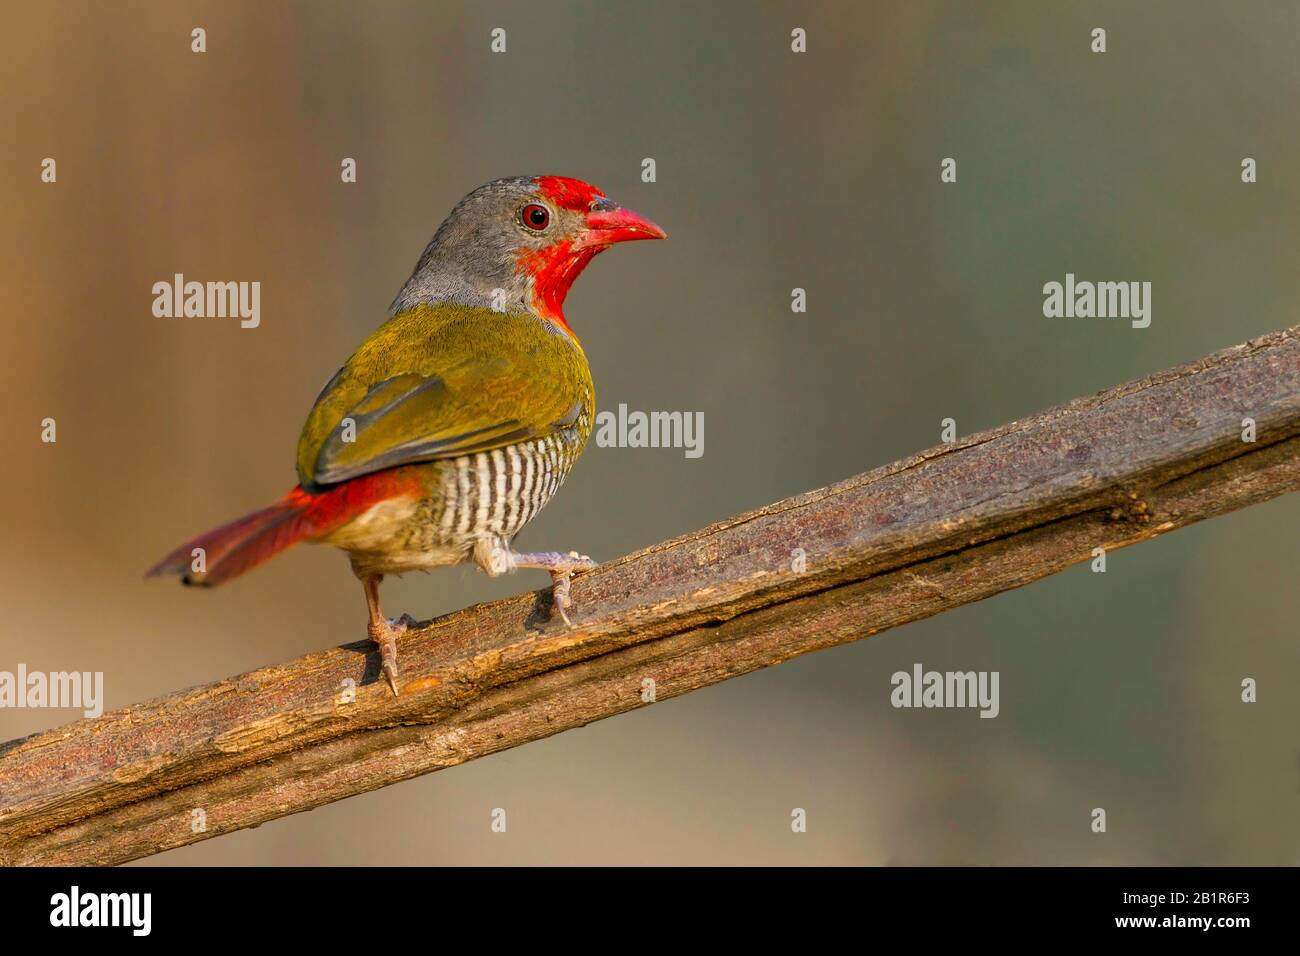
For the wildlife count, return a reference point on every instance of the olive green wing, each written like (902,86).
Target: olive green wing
(439,382)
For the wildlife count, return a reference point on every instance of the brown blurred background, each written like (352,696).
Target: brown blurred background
(775,170)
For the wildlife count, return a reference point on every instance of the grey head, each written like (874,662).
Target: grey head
(517,243)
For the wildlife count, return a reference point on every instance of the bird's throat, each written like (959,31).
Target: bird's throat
(551,272)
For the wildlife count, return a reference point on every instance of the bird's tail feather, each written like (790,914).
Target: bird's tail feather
(301,515)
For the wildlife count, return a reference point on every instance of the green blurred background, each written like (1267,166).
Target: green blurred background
(775,170)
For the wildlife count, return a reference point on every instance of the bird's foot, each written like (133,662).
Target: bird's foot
(561,567)
(560,595)
(385,632)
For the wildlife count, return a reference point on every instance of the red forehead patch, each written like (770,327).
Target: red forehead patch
(568,193)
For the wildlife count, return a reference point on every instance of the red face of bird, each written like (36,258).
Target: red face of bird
(565,224)
(520,243)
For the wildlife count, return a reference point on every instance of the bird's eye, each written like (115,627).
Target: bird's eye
(535,216)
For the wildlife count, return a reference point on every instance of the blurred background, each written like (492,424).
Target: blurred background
(775,170)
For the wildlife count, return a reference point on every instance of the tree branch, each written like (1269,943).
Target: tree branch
(950,526)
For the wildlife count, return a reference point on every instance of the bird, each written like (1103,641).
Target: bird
(457,419)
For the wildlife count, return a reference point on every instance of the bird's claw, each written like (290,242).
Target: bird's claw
(560,594)
(561,578)
(385,635)
(561,566)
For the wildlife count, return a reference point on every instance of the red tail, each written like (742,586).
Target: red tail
(300,515)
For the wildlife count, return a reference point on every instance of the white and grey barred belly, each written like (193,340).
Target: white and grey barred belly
(490,495)
(495,493)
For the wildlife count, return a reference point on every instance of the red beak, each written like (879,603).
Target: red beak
(608,223)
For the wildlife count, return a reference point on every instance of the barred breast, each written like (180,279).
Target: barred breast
(496,493)
(490,494)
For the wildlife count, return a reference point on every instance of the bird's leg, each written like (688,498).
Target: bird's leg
(561,567)
(383,631)
(496,559)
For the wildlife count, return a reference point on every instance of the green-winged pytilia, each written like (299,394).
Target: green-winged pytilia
(457,419)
